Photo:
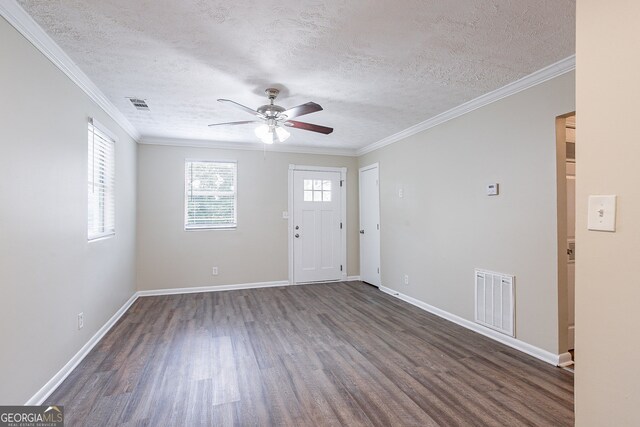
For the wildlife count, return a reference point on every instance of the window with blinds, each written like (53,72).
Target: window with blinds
(210,195)
(101,182)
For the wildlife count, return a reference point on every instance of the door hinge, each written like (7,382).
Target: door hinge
(341,181)
(378,270)
(340,226)
(341,268)
(378,226)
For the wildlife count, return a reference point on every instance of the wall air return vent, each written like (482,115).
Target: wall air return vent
(140,104)
(495,301)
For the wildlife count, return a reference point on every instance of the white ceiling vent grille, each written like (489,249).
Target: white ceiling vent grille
(140,104)
(495,301)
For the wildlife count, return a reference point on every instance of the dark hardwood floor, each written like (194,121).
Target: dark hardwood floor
(312,355)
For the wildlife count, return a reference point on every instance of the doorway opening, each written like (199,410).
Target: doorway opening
(566,179)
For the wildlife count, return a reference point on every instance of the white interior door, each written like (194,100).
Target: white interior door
(571,251)
(370,225)
(316,226)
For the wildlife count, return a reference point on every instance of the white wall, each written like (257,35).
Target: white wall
(607,265)
(445,225)
(170,257)
(48,271)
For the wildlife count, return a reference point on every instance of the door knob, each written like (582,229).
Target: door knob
(361,231)
(297,235)
(297,228)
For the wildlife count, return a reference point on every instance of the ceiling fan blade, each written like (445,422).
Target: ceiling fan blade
(308,126)
(301,110)
(235,123)
(240,106)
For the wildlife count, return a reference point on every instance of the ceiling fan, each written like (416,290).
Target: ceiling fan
(273,118)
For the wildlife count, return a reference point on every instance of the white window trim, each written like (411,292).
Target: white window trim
(343,215)
(185,200)
(103,129)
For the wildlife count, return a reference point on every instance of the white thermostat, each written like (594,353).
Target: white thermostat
(492,189)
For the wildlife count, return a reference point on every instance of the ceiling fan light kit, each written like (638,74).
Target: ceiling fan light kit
(272,117)
(270,133)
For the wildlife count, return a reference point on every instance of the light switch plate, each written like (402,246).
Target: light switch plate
(602,213)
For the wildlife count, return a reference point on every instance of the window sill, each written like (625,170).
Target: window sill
(102,237)
(211,229)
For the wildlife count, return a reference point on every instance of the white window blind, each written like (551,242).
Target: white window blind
(210,194)
(101,182)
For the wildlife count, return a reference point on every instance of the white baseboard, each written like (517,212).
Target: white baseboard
(538,353)
(344,279)
(565,360)
(199,289)
(63,373)
(59,377)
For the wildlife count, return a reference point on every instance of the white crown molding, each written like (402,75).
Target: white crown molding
(24,23)
(554,70)
(537,352)
(251,146)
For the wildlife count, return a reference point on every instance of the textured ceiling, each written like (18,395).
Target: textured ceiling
(377,67)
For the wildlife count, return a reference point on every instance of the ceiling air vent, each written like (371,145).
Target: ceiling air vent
(140,104)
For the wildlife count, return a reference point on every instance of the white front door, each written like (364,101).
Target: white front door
(370,226)
(316,226)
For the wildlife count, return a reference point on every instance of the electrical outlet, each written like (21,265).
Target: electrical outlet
(80,320)
(406,279)
(214,271)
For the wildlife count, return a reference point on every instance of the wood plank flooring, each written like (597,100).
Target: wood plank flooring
(342,354)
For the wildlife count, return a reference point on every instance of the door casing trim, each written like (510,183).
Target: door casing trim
(343,215)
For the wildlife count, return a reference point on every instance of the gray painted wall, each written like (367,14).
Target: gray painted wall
(257,251)
(445,225)
(48,271)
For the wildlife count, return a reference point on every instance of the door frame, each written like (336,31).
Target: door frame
(375,165)
(343,215)
(561,236)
